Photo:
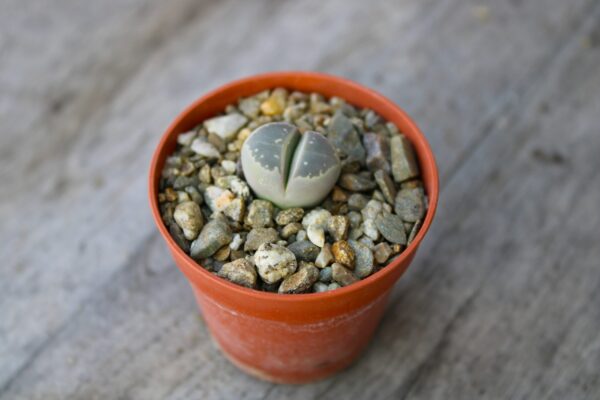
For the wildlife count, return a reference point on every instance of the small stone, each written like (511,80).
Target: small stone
(300,281)
(229,166)
(372,119)
(343,253)
(274,262)
(258,236)
(317,217)
(222,254)
(235,210)
(410,204)
(355,233)
(382,252)
(304,250)
(217,142)
(195,195)
(301,235)
(290,229)
(341,275)
(404,161)
(371,210)
(354,218)
(289,215)
(386,185)
(236,242)
(333,286)
(235,184)
(260,214)
(275,104)
(217,199)
(367,241)
(205,149)
(294,112)
(185,139)
(183,196)
(356,182)
(177,234)
(378,151)
(319,287)
(240,271)
(338,226)
(414,183)
(250,107)
(325,275)
(187,168)
(397,248)
(217,172)
(204,174)
(316,234)
(391,227)
(170,194)
(414,231)
(189,218)
(213,236)
(226,126)
(345,138)
(325,257)
(369,228)
(338,195)
(236,254)
(363,264)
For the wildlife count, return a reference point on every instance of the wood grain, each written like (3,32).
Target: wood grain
(503,299)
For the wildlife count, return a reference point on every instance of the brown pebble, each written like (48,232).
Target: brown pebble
(342,275)
(222,254)
(338,195)
(300,281)
(343,253)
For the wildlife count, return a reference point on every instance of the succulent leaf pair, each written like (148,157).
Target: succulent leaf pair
(289,168)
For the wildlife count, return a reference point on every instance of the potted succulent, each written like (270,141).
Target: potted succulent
(286,336)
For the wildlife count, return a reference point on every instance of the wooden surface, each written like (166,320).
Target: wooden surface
(503,299)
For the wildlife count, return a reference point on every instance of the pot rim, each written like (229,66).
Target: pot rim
(424,155)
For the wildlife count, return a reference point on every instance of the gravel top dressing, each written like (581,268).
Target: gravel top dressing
(293,193)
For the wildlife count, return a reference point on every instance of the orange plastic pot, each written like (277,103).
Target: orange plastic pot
(302,337)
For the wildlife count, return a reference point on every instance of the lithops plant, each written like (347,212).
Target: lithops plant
(288,168)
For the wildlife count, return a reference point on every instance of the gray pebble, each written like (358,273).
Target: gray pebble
(217,198)
(345,138)
(386,185)
(240,271)
(304,250)
(226,126)
(250,107)
(371,210)
(260,214)
(189,218)
(363,264)
(213,236)
(325,275)
(258,236)
(410,204)
(357,201)
(414,231)
(354,218)
(356,182)
(404,161)
(325,256)
(201,147)
(378,151)
(391,227)
(333,286)
(186,138)
(319,287)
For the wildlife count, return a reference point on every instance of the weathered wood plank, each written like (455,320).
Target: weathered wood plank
(117,329)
